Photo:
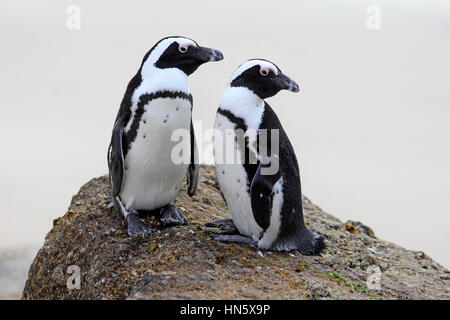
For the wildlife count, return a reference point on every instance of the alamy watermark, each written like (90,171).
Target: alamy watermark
(373,21)
(73,21)
(230,146)
(74,280)
(374,278)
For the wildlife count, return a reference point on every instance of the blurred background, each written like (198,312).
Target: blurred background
(370,126)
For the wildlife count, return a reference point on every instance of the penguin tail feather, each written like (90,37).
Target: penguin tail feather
(312,245)
(318,244)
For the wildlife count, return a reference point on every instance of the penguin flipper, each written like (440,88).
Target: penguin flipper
(192,174)
(115,159)
(261,196)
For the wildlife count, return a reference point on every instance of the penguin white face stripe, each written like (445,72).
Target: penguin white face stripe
(170,78)
(251,63)
(164,44)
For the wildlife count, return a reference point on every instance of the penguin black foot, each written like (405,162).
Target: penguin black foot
(237,238)
(223,224)
(172,216)
(136,227)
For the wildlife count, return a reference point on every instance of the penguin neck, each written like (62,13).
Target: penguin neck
(169,79)
(245,104)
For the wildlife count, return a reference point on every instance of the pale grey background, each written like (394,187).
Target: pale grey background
(370,126)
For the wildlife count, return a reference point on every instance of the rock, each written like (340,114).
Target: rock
(89,244)
(57,274)
(356,225)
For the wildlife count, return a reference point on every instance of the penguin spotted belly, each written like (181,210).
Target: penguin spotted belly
(152,179)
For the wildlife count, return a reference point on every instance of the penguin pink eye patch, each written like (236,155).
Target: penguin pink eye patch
(265,71)
(184,47)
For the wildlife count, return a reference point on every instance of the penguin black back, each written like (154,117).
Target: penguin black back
(292,226)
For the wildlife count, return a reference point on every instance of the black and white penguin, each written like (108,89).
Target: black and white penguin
(266,207)
(157,102)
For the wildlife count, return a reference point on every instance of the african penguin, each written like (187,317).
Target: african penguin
(266,207)
(157,101)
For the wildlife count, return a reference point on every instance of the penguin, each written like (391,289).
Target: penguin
(157,101)
(265,203)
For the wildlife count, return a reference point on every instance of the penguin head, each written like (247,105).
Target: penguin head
(180,53)
(262,77)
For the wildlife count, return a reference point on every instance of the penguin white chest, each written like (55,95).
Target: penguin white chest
(152,179)
(233,179)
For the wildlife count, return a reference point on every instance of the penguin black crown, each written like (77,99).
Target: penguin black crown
(266,208)
(157,101)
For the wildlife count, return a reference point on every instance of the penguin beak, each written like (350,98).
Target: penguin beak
(206,54)
(286,83)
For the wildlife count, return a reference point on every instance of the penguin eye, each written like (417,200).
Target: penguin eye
(264,72)
(183,48)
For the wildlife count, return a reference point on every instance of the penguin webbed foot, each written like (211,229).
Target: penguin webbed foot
(137,227)
(172,216)
(226,225)
(236,238)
